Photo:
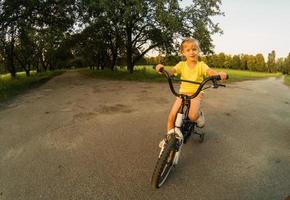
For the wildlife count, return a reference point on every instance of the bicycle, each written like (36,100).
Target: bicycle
(171,145)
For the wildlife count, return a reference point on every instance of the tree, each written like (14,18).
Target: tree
(171,59)
(9,14)
(280,63)
(244,62)
(251,62)
(286,69)
(2,69)
(236,62)
(55,20)
(37,34)
(212,60)
(228,63)
(199,24)
(260,63)
(221,57)
(148,25)
(136,27)
(271,61)
(20,18)
(104,28)
(25,50)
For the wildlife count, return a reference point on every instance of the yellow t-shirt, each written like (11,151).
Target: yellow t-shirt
(192,74)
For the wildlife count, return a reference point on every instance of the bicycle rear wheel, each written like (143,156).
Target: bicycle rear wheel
(164,163)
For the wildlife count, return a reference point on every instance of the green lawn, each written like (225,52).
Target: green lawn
(146,73)
(141,73)
(240,75)
(10,88)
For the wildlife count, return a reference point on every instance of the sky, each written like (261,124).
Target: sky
(253,26)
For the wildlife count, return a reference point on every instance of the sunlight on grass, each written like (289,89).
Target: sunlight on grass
(147,73)
(240,75)
(18,75)
(141,73)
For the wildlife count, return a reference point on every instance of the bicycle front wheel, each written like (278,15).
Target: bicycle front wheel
(164,163)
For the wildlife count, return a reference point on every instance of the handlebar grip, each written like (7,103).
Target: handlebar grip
(218,77)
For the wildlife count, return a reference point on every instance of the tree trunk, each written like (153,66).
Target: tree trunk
(37,67)
(51,67)
(10,59)
(28,69)
(11,67)
(98,61)
(114,59)
(25,65)
(136,59)
(43,64)
(103,61)
(102,65)
(130,65)
(98,65)
(27,72)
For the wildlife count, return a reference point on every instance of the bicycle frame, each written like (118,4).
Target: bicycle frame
(183,111)
(182,115)
(171,146)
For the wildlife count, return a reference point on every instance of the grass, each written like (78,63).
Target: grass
(287,80)
(241,75)
(146,73)
(141,73)
(10,88)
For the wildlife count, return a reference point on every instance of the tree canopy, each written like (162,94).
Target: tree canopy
(99,33)
(24,25)
(46,35)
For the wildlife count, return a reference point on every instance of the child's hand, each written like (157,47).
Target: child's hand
(223,75)
(158,67)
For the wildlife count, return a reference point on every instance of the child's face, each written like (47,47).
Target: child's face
(190,51)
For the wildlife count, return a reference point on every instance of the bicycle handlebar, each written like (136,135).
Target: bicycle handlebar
(214,79)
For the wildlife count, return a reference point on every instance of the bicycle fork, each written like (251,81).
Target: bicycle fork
(178,135)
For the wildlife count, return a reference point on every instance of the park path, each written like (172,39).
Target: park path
(81,138)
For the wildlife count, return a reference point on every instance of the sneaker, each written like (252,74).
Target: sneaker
(162,142)
(200,122)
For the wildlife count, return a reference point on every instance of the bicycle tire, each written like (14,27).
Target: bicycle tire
(164,163)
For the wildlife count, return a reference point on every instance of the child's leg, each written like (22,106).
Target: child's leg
(172,114)
(194,110)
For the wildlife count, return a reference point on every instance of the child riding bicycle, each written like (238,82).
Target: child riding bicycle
(193,70)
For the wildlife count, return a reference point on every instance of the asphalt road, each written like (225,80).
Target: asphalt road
(82,138)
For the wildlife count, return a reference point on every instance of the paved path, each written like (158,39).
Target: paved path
(82,138)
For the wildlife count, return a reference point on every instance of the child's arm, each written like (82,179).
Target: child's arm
(170,71)
(211,72)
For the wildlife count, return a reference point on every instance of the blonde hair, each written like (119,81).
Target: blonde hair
(189,40)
